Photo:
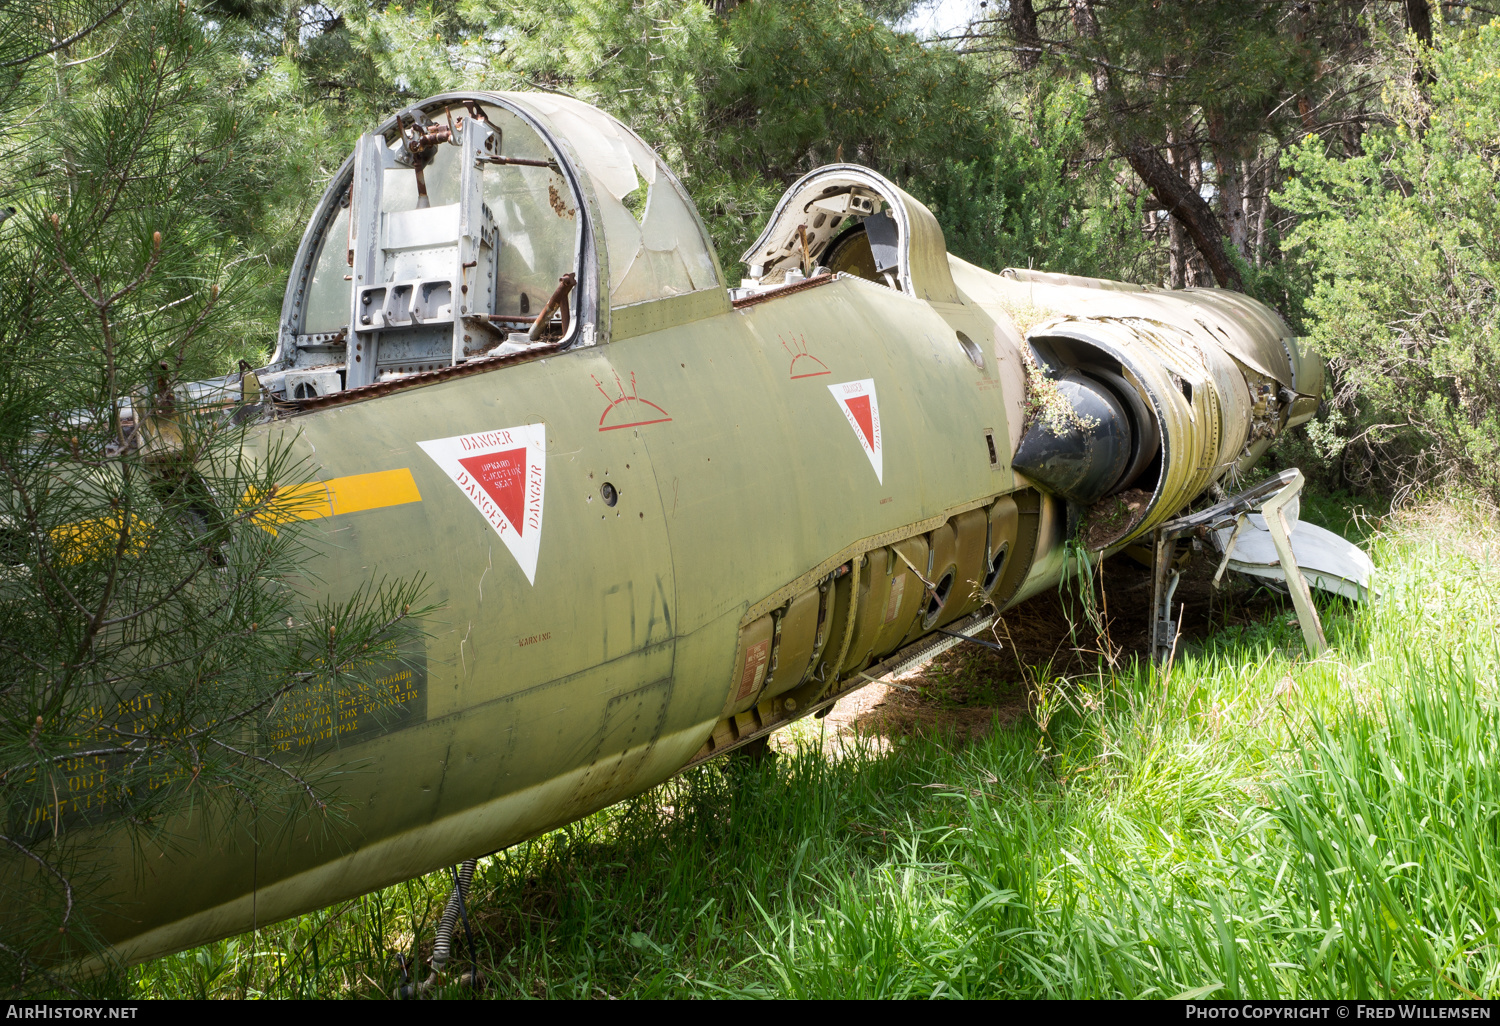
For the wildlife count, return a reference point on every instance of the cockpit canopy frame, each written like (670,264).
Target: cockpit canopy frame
(446,232)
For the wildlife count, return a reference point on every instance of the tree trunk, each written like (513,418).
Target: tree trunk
(1177,241)
(1194,270)
(1184,203)
(1263,210)
(1023,29)
(1233,188)
(1418,19)
(1177,250)
(1180,199)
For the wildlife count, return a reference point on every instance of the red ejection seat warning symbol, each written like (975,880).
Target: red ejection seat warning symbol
(503,474)
(628,409)
(857,400)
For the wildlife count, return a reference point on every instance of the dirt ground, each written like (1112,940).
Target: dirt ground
(967,690)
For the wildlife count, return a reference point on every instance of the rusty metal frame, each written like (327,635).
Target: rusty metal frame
(784,290)
(377,389)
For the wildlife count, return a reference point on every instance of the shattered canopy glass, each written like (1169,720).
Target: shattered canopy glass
(651,234)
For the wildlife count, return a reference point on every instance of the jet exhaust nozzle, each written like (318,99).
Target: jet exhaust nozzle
(1080,445)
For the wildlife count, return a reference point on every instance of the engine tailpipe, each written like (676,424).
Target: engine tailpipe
(1079,444)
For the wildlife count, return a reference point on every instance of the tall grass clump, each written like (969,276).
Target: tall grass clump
(1249,824)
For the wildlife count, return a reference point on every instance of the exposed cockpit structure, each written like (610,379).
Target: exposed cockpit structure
(480,225)
(847,219)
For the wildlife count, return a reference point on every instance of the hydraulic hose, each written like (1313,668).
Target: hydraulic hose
(442,945)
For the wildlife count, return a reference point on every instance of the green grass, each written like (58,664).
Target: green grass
(1252,824)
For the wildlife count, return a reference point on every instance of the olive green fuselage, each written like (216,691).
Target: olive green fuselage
(735,472)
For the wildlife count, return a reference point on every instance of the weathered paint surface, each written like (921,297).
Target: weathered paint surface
(606,529)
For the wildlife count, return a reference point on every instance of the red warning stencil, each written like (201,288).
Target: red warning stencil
(626,408)
(857,400)
(503,474)
(804,364)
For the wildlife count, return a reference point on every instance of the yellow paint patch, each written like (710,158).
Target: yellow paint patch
(340,495)
(371,491)
(99,539)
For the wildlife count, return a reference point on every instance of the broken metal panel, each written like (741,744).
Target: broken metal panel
(657,245)
(884,239)
(1259,534)
(1309,374)
(1077,281)
(1328,562)
(885,597)
(1249,332)
(1280,530)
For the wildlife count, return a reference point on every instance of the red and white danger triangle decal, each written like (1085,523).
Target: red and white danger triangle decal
(857,400)
(503,474)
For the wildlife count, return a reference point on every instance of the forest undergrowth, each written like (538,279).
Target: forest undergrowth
(1248,823)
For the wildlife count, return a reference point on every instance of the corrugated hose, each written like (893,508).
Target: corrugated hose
(442,945)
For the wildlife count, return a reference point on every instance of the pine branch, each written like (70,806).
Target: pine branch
(312,795)
(64,44)
(66,883)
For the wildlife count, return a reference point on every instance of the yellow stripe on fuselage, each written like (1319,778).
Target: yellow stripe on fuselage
(343,495)
(371,491)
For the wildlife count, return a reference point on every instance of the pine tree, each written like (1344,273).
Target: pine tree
(152,604)
(1201,98)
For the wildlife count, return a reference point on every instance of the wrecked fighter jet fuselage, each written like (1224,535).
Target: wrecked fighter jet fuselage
(665,516)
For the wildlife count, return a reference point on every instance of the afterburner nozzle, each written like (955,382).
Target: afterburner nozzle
(1080,445)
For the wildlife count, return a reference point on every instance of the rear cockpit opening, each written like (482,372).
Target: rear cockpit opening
(844,219)
(842,228)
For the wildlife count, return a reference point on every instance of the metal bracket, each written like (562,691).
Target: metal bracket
(1307,613)
(1269,498)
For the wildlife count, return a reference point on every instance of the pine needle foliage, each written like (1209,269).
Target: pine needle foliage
(153,603)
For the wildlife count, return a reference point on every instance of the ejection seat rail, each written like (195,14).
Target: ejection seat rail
(1269,499)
